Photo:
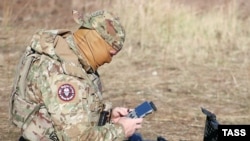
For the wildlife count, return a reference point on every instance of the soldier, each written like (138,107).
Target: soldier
(57,91)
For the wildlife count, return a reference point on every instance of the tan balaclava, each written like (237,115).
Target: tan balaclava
(100,32)
(93,47)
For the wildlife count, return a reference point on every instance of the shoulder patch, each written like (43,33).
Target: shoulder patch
(66,92)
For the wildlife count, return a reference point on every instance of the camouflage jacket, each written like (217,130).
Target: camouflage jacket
(54,98)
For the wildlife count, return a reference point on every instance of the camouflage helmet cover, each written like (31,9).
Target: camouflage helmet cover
(108,26)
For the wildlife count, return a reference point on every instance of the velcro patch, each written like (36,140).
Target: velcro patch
(66,92)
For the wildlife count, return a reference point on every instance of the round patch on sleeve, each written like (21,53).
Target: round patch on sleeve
(66,92)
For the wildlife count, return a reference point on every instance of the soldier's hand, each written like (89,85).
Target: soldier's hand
(118,112)
(130,125)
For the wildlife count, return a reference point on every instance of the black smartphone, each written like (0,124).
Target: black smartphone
(142,110)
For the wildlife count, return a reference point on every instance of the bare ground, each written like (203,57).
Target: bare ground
(178,90)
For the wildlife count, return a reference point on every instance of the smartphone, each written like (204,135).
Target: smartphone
(142,110)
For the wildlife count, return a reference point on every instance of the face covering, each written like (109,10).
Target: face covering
(92,47)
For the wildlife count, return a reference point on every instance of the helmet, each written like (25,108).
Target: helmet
(108,26)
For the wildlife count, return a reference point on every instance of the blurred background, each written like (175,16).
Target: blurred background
(182,55)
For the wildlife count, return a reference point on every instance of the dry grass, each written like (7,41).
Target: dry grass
(180,55)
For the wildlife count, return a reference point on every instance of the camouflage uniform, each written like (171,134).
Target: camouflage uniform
(56,95)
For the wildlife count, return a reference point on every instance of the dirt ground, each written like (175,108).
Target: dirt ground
(177,89)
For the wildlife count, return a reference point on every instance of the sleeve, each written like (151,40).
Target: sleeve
(74,107)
